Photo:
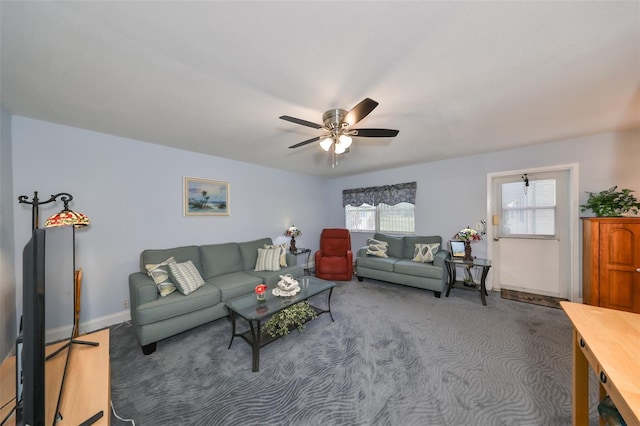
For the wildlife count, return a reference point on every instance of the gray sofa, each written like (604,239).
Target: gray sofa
(398,268)
(228,272)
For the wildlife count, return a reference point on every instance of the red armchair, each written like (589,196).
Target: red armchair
(334,260)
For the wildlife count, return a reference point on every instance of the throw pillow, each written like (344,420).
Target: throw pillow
(268,260)
(186,276)
(424,253)
(283,252)
(159,273)
(377,248)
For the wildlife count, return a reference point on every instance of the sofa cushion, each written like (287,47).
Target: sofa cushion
(268,259)
(409,267)
(411,241)
(180,254)
(424,253)
(186,277)
(380,263)
(235,284)
(396,244)
(177,304)
(377,248)
(159,273)
(249,251)
(221,259)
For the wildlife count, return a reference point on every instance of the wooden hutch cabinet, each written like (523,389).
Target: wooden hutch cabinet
(611,262)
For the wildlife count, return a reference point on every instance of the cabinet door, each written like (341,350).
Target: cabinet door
(619,263)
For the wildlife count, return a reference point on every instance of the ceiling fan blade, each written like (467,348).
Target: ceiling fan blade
(300,121)
(376,133)
(360,111)
(308,141)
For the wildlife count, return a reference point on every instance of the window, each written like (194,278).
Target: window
(388,208)
(531,212)
(362,218)
(385,218)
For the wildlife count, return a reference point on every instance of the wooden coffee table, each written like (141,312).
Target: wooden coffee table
(248,308)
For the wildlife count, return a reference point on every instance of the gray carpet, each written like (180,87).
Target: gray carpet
(395,355)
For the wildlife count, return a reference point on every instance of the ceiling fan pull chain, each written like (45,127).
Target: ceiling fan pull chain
(333,156)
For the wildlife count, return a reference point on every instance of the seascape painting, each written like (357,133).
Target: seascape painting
(203,197)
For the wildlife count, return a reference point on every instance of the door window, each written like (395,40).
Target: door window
(528,210)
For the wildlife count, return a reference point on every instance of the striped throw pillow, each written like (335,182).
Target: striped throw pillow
(268,260)
(186,276)
(283,252)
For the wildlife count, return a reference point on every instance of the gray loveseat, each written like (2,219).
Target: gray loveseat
(228,272)
(399,268)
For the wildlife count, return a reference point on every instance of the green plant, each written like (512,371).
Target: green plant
(295,316)
(611,202)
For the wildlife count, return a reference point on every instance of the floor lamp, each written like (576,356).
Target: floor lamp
(66,217)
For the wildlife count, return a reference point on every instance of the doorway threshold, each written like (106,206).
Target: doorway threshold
(535,299)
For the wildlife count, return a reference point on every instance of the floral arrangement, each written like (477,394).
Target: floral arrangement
(292,232)
(260,291)
(468,235)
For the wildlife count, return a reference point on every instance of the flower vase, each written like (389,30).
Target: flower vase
(467,251)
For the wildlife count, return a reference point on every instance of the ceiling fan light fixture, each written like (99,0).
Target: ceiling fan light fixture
(345,141)
(339,148)
(337,137)
(326,144)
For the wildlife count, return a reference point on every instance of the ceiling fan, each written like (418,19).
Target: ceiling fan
(337,127)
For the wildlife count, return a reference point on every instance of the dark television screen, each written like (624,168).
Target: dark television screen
(47,321)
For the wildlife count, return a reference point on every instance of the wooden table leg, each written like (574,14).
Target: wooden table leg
(580,384)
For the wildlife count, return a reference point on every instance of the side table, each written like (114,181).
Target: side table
(485,264)
(302,251)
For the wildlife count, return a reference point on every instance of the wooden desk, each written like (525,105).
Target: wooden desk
(609,341)
(87,388)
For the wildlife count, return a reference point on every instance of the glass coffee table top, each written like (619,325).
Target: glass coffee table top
(250,309)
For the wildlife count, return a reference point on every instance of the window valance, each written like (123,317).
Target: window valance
(387,194)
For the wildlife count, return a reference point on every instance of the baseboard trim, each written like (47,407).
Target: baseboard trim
(62,333)
(105,321)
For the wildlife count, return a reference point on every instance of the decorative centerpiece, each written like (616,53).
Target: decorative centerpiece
(287,286)
(295,316)
(293,232)
(468,235)
(611,203)
(261,294)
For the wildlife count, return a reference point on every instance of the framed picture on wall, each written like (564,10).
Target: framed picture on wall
(203,197)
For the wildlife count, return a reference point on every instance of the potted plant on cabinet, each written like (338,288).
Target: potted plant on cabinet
(611,202)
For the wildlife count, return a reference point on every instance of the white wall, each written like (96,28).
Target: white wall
(132,192)
(452,193)
(8,323)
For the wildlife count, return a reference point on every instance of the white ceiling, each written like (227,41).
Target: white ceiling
(456,78)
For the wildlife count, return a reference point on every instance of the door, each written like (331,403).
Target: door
(620,266)
(531,245)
